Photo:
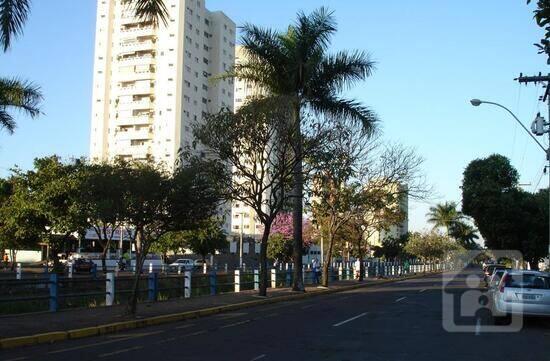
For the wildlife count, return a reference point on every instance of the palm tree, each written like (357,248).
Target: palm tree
(465,235)
(23,95)
(295,66)
(17,94)
(445,215)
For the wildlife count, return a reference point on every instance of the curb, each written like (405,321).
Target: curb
(57,336)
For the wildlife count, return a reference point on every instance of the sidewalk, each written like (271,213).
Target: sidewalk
(43,322)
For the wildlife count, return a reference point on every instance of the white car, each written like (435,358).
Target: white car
(185,264)
(522,293)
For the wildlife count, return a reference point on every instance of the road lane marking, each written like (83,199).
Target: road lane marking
(194,334)
(259,357)
(423,290)
(307,306)
(184,326)
(121,351)
(349,320)
(400,299)
(235,324)
(478,326)
(104,342)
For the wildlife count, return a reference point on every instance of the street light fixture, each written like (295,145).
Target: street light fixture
(537,128)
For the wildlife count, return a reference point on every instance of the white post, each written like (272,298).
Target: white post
(256,280)
(237,280)
(70,269)
(110,289)
(204,268)
(340,271)
(244,267)
(226,268)
(18,275)
(150,267)
(187,284)
(117,269)
(273,278)
(179,270)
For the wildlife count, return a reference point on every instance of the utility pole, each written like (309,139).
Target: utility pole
(545,98)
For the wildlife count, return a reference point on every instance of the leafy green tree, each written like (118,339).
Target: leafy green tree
(207,238)
(392,247)
(295,66)
(465,234)
(101,193)
(542,17)
(430,246)
(251,156)
(16,94)
(157,203)
(445,215)
(506,216)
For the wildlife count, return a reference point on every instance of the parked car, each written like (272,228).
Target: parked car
(199,263)
(495,278)
(185,264)
(522,293)
(489,269)
(83,265)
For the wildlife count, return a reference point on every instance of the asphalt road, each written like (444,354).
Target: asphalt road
(399,321)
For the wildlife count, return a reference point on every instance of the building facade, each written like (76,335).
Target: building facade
(152,84)
(243,217)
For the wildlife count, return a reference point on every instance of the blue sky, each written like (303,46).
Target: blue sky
(432,57)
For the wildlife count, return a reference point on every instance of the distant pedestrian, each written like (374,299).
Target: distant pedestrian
(315,270)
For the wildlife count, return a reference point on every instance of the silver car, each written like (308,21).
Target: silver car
(522,293)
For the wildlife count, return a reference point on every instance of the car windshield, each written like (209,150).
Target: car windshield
(528,281)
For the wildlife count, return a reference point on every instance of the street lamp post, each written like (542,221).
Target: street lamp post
(477,102)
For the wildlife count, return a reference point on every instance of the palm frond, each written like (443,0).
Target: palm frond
(6,121)
(314,30)
(151,10)
(345,109)
(343,69)
(13,15)
(18,95)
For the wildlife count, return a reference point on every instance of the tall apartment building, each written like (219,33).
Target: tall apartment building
(243,217)
(151,84)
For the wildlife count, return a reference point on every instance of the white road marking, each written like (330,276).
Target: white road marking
(423,290)
(184,326)
(235,324)
(194,334)
(349,320)
(478,326)
(400,299)
(259,357)
(121,351)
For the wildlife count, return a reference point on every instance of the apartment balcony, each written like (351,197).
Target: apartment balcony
(144,104)
(137,45)
(134,120)
(137,60)
(136,90)
(145,132)
(132,76)
(128,17)
(137,31)
(125,147)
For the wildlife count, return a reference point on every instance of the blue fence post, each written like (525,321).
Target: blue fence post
(212,282)
(153,286)
(53,292)
(288,280)
(94,271)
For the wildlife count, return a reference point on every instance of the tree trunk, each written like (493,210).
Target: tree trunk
(140,259)
(297,190)
(13,258)
(103,257)
(326,262)
(263,260)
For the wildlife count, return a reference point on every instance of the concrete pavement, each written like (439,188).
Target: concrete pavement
(398,321)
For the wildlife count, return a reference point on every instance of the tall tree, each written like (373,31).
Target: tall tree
(542,17)
(207,238)
(251,155)
(465,234)
(445,215)
(294,65)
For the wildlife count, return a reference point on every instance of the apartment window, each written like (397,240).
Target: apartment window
(196,74)
(225,26)
(223,91)
(207,35)
(190,26)
(205,47)
(229,94)
(224,39)
(197,31)
(204,100)
(204,60)
(195,117)
(196,88)
(172,35)
(186,98)
(187,84)
(188,68)
(205,87)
